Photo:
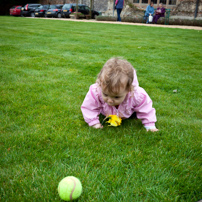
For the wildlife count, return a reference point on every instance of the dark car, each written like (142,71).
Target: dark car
(15,10)
(28,9)
(67,9)
(86,11)
(54,11)
(41,10)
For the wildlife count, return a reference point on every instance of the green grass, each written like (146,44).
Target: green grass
(46,69)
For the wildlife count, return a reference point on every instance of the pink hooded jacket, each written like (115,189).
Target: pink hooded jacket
(137,101)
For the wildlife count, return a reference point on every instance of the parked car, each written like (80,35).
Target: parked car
(54,11)
(86,11)
(67,9)
(15,10)
(28,9)
(41,10)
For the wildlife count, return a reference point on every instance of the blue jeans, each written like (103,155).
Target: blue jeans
(119,14)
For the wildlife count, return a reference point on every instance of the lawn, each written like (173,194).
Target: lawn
(46,69)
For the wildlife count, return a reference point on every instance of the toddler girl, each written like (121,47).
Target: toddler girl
(117,92)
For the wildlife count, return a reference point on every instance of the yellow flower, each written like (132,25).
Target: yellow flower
(114,120)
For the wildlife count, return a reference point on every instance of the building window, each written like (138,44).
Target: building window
(172,2)
(163,1)
(136,1)
(145,1)
(154,1)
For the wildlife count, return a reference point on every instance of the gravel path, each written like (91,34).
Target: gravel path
(126,23)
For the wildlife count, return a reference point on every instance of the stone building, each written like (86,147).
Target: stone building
(179,8)
(188,8)
(98,5)
(182,8)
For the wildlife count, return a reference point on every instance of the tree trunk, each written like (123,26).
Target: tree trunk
(91,5)
(77,9)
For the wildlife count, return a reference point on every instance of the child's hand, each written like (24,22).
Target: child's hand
(98,125)
(153,130)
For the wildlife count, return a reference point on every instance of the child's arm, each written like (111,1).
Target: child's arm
(144,110)
(91,108)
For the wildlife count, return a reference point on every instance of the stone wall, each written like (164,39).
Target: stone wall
(101,5)
(184,8)
(187,8)
(129,10)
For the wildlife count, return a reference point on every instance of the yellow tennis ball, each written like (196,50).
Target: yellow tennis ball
(69,188)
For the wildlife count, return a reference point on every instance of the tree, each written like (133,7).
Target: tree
(91,7)
(77,9)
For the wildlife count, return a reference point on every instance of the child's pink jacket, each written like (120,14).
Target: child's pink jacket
(137,101)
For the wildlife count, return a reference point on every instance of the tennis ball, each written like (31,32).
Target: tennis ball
(69,188)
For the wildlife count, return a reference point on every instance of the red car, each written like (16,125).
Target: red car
(15,10)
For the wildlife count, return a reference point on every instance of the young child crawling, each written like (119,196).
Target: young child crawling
(117,92)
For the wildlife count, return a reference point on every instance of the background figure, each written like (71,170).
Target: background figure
(149,11)
(119,6)
(160,12)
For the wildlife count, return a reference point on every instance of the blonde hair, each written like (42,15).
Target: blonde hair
(116,74)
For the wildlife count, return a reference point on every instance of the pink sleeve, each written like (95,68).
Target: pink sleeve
(144,109)
(116,2)
(90,106)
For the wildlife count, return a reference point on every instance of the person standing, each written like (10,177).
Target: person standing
(119,6)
